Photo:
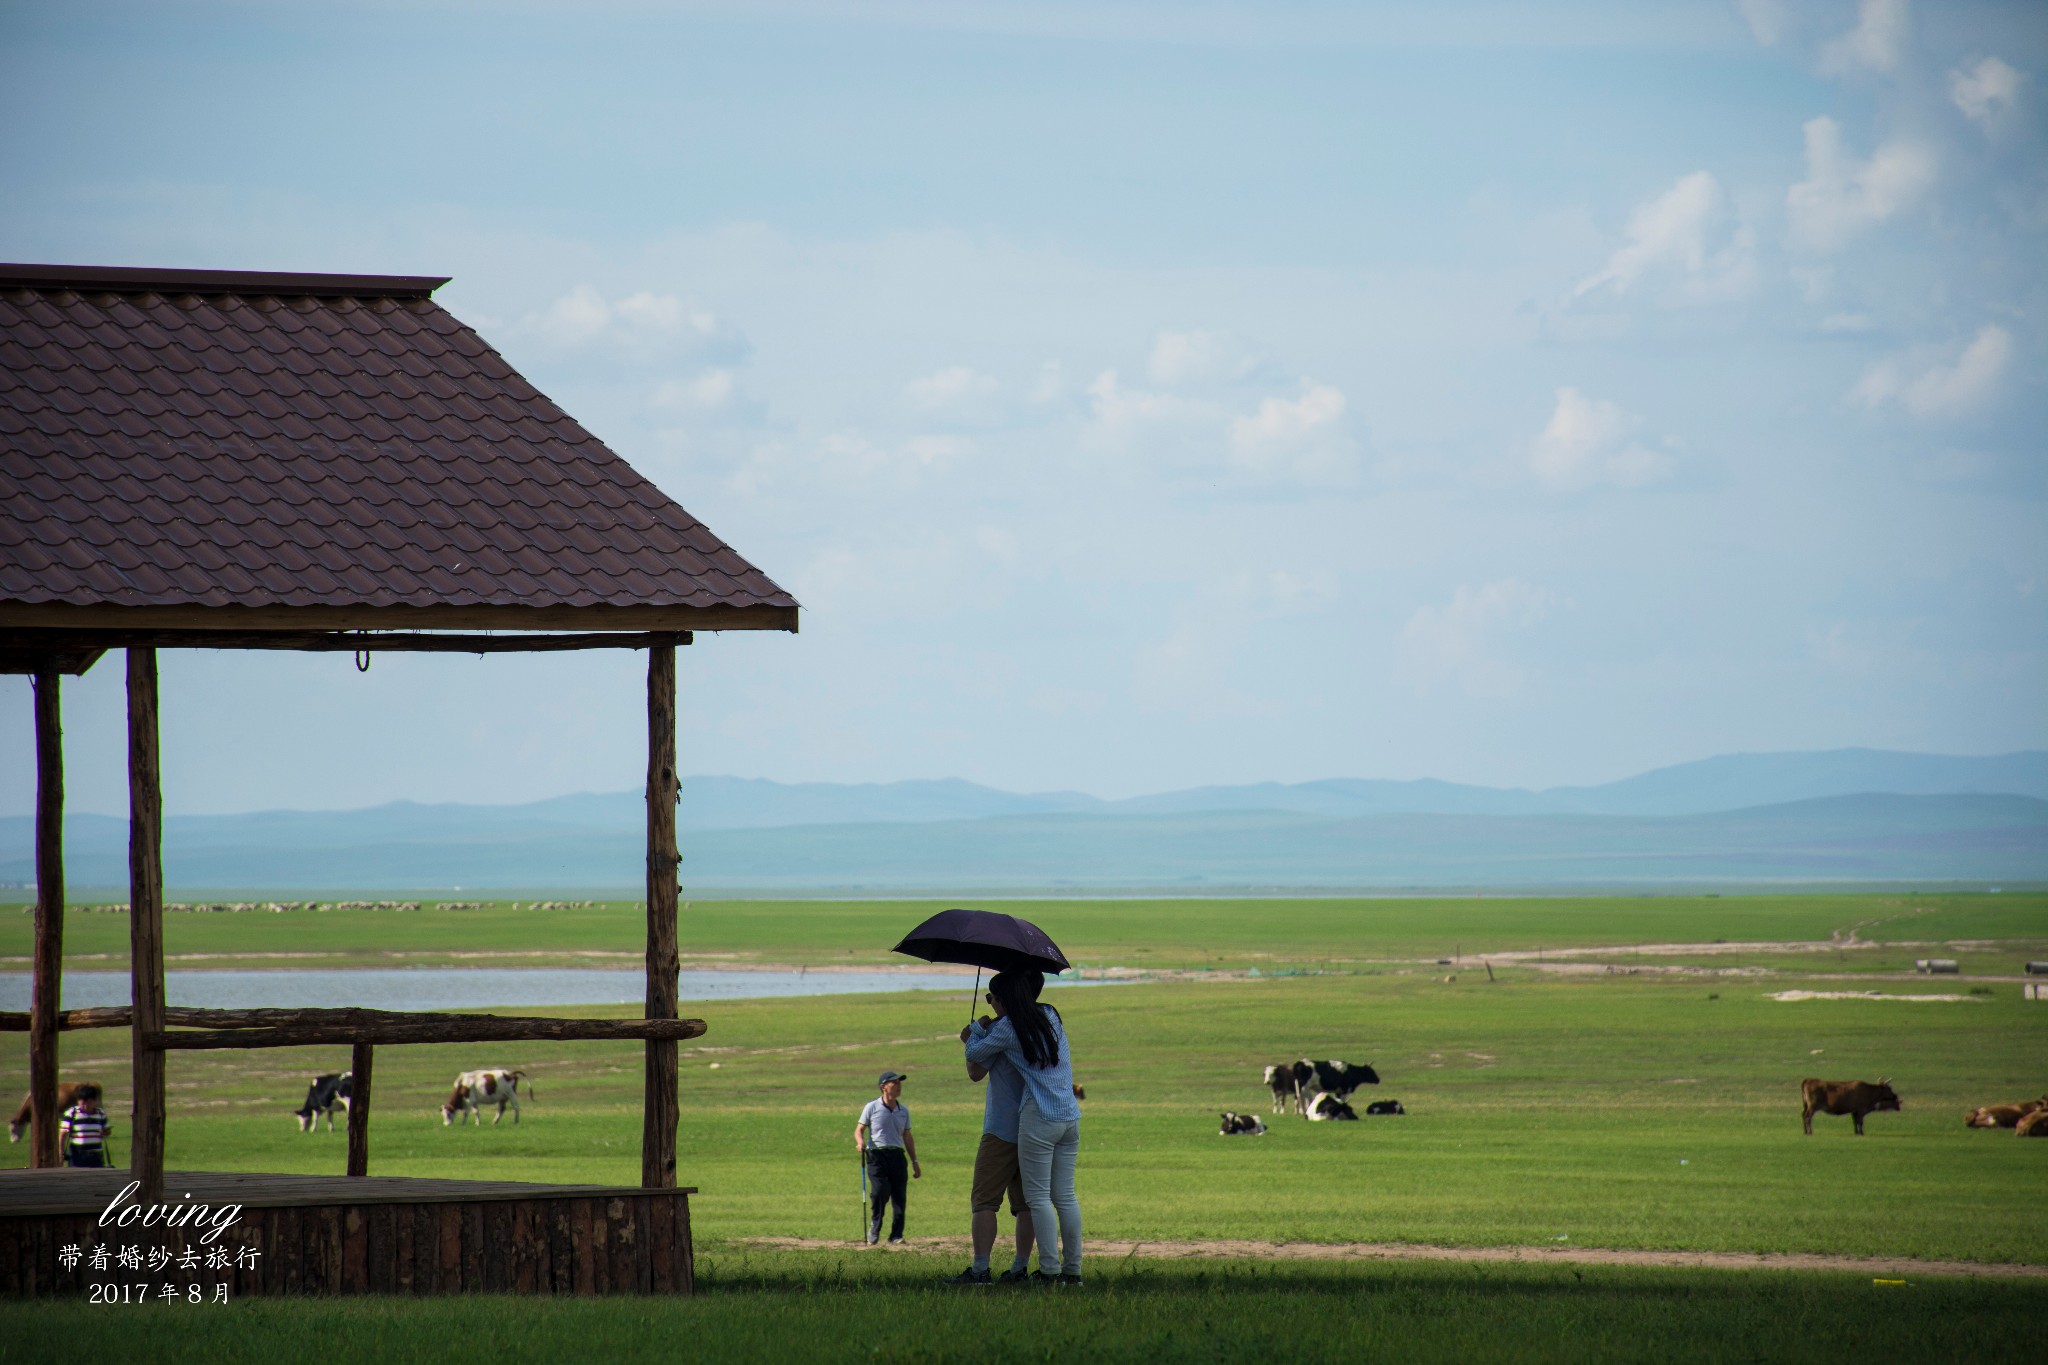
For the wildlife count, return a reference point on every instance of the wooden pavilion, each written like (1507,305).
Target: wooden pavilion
(241,460)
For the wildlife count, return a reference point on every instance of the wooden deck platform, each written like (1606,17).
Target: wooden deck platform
(320,1235)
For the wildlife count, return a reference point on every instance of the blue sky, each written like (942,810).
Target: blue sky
(1139,396)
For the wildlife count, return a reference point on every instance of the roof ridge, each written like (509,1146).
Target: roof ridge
(140,279)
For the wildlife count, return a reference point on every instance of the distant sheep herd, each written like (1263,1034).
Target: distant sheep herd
(315,907)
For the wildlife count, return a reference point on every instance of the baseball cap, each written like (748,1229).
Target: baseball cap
(888,1076)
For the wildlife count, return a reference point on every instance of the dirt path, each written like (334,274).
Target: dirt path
(1882,1267)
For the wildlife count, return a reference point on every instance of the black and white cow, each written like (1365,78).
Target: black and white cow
(1326,1106)
(325,1095)
(1285,1081)
(1384,1107)
(1247,1124)
(1338,1078)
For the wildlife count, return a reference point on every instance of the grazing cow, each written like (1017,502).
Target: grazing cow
(1384,1107)
(1327,1106)
(1854,1098)
(2033,1125)
(68,1094)
(1285,1081)
(2003,1115)
(325,1095)
(1234,1124)
(475,1090)
(1339,1078)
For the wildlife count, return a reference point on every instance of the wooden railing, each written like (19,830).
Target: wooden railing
(188,1029)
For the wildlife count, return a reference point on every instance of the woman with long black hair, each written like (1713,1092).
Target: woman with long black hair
(1033,1039)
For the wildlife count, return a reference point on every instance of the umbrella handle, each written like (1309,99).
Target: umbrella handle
(974,997)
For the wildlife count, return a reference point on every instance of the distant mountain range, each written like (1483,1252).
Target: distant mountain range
(1839,816)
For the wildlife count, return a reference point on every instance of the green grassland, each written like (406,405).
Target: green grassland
(1612,1111)
(772,1308)
(1647,1110)
(1995,932)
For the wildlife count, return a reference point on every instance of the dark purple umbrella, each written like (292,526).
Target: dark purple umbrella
(984,938)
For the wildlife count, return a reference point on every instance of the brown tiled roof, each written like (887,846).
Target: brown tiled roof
(187,449)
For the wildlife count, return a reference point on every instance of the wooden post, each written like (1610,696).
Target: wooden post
(48,986)
(664,961)
(145,925)
(359,1110)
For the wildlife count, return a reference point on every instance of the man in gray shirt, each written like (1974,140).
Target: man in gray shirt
(882,1136)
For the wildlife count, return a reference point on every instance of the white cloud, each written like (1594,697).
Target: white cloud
(1926,385)
(1986,92)
(1461,642)
(954,389)
(575,317)
(644,320)
(1842,196)
(1767,19)
(1199,357)
(1126,417)
(1586,442)
(1684,233)
(711,391)
(1847,322)
(846,463)
(1301,437)
(1877,43)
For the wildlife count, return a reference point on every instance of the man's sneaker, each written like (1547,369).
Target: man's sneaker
(1039,1277)
(969,1276)
(1071,1281)
(1014,1276)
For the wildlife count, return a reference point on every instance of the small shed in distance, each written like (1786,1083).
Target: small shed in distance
(244,460)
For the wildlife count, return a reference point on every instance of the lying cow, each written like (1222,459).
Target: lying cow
(1854,1098)
(1384,1107)
(1234,1124)
(2033,1125)
(325,1095)
(1326,1106)
(476,1090)
(68,1094)
(2002,1115)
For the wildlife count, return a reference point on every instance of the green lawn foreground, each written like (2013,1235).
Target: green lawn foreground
(1632,1112)
(772,1308)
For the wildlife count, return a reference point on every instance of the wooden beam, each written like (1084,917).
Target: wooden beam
(65,616)
(67,660)
(47,988)
(42,643)
(145,925)
(483,1029)
(359,1109)
(187,1016)
(661,1103)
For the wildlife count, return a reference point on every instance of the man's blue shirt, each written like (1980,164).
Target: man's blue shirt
(1051,1088)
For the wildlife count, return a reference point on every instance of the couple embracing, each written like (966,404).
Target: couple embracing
(1030,1133)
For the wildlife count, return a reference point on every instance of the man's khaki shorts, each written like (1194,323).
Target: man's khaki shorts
(995,1170)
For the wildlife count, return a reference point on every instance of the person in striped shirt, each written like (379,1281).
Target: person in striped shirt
(82,1132)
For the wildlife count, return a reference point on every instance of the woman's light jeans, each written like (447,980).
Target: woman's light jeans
(1046,1149)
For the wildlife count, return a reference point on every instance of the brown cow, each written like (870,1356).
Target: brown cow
(2033,1125)
(2003,1115)
(1854,1098)
(67,1095)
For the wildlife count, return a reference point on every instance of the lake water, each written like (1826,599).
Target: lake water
(462,988)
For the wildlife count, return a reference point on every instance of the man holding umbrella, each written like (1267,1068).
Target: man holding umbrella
(882,1137)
